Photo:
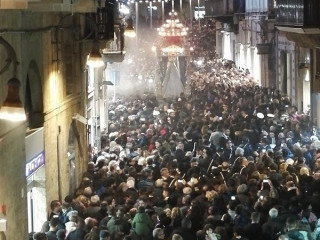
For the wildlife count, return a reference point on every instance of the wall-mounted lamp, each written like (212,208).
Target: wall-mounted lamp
(129,31)
(80,118)
(12,108)
(94,58)
(107,83)
(304,71)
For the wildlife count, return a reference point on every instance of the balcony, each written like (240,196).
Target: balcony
(300,14)
(260,6)
(13,4)
(223,10)
(82,6)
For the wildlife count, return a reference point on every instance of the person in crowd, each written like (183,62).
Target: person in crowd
(253,230)
(272,227)
(61,234)
(39,236)
(292,231)
(158,234)
(52,233)
(142,224)
(198,166)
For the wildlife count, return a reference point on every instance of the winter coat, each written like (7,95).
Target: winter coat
(316,232)
(117,225)
(142,224)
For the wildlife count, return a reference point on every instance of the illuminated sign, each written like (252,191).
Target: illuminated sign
(199,12)
(34,164)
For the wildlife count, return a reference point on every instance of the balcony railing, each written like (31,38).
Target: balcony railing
(298,13)
(259,6)
(224,7)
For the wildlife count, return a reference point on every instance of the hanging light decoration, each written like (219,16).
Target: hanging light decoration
(173,27)
(172,32)
(94,58)
(12,108)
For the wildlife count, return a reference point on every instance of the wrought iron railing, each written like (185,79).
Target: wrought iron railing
(298,13)
(224,7)
(259,6)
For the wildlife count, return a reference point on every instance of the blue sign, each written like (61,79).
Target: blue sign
(34,164)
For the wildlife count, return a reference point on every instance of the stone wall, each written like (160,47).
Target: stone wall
(40,64)
(12,179)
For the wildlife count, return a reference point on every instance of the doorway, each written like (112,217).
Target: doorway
(72,159)
(283,72)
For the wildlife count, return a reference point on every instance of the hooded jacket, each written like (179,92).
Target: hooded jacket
(142,224)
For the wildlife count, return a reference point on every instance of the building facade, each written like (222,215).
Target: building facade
(44,45)
(277,41)
(298,41)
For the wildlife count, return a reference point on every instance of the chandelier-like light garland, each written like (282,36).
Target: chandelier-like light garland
(172,27)
(146,1)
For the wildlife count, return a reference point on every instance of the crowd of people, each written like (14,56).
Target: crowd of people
(231,161)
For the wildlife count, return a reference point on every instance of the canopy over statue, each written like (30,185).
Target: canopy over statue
(172,47)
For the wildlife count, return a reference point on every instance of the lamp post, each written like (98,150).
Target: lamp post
(162,7)
(181,7)
(190,6)
(137,16)
(199,13)
(150,5)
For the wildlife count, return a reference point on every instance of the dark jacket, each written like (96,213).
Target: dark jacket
(51,235)
(295,235)
(272,227)
(253,231)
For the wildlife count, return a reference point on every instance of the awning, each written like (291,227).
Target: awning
(304,40)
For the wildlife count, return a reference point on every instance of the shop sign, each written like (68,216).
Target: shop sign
(34,164)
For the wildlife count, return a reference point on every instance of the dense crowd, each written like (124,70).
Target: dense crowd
(232,161)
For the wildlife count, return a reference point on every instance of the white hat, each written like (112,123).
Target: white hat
(130,182)
(270,115)
(101,158)
(314,138)
(94,199)
(132,117)
(155,113)
(141,161)
(260,115)
(289,161)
